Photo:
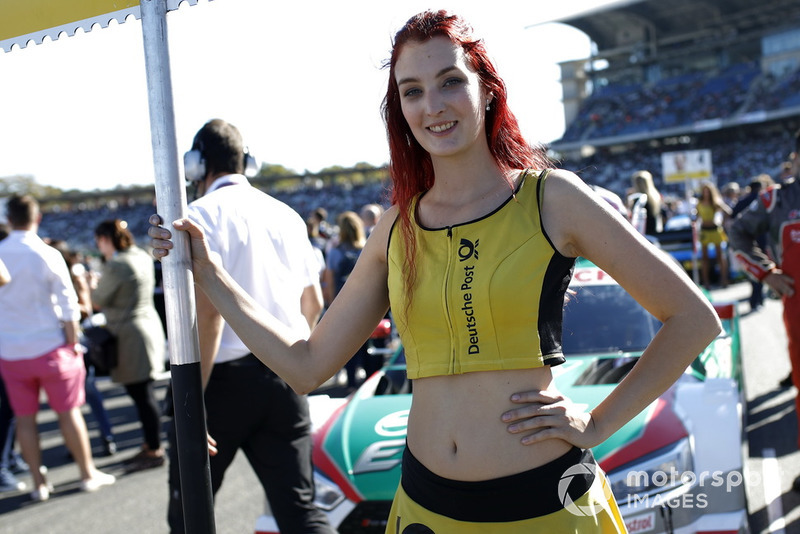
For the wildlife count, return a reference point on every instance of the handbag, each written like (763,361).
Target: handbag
(101,351)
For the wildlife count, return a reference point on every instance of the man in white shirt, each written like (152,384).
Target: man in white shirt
(264,244)
(38,339)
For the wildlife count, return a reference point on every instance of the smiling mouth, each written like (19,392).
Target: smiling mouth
(439,128)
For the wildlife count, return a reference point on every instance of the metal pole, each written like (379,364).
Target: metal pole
(184,354)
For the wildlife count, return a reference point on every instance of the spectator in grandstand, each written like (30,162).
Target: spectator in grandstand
(711,211)
(483,239)
(645,197)
(124,293)
(370,213)
(39,346)
(341,260)
(759,183)
(81,283)
(776,212)
(264,244)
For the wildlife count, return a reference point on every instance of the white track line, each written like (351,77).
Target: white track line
(771,482)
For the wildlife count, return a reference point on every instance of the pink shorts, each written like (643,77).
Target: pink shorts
(61,373)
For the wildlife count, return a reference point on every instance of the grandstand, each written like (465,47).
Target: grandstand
(73,216)
(722,75)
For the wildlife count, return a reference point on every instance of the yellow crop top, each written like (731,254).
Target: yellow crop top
(706,212)
(489,293)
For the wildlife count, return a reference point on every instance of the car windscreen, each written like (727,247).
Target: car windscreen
(603,319)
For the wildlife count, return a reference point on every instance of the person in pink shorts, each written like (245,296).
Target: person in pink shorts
(59,372)
(38,345)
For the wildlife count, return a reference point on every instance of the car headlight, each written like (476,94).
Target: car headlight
(327,495)
(659,471)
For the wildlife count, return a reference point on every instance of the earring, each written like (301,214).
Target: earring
(488,105)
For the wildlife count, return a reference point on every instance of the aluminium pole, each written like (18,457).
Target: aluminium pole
(184,354)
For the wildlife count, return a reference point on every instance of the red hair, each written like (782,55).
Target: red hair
(410,166)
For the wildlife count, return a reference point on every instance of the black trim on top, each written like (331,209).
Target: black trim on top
(551,307)
(523,175)
(539,201)
(554,287)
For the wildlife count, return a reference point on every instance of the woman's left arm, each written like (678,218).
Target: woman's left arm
(580,223)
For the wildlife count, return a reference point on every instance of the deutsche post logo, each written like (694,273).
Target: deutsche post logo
(468,249)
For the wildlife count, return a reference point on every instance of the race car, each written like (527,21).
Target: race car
(676,467)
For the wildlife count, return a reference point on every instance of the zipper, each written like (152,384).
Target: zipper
(446,295)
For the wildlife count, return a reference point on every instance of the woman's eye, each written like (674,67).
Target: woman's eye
(412,92)
(453,81)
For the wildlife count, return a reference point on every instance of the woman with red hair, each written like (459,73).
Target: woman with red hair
(474,258)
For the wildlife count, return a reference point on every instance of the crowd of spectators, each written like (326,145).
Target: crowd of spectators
(776,92)
(626,109)
(733,161)
(77,226)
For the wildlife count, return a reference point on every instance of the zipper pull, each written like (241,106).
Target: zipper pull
(449,231)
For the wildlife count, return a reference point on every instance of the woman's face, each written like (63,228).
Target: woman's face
(441,97)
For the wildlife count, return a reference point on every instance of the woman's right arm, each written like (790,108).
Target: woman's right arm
(303,364)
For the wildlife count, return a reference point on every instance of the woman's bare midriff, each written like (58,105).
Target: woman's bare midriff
(455,429)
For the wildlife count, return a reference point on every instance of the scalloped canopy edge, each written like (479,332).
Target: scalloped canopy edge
(30,21)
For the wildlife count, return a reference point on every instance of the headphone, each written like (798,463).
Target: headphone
(194,164)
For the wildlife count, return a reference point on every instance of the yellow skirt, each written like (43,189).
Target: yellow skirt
(713,236)
(569,495)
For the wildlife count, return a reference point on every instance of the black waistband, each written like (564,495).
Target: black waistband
(525,495)
(248,360)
